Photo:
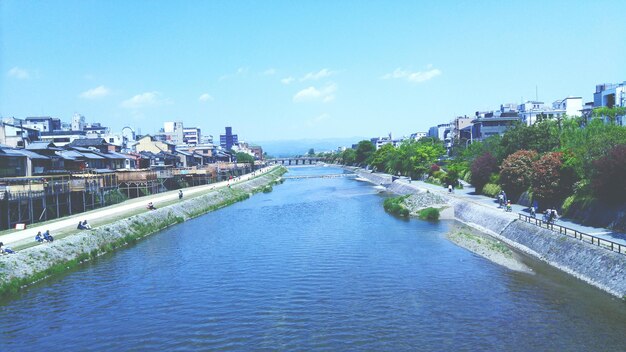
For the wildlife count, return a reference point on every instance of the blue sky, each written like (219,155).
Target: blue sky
(278,70)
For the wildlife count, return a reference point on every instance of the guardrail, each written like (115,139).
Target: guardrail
(600,242)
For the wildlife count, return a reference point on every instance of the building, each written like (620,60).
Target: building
(17,136)
(610,95)
(206,139)
(380,141)
(530,110)
(191,135)
(148,143)
(62,138)
(570,106)
(95,130)
(418,135)
(487,124)
(443,132)
(457,126)
(229,139)
(173,132)
(78,122)
(257,150)
(43,124)
(98,144)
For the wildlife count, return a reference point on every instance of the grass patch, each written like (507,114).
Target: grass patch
(431,214)
(395,206)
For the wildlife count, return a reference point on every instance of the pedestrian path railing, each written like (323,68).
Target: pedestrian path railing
(600,242)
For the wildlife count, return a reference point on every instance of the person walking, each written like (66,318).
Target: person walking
(180,194)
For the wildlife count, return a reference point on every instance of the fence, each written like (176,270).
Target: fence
(600,242)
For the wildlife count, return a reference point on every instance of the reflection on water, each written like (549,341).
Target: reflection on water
(314,265)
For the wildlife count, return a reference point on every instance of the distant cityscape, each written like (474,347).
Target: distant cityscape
(483,124)
(47,145)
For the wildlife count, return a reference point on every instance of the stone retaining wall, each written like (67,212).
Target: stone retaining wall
(597,266)
(35,263)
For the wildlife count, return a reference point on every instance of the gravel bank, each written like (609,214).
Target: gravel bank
(488,248)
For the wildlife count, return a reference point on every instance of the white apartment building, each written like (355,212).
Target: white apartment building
(78,122)
(192,135)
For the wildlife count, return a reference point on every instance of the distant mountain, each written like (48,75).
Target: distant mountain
(301,146)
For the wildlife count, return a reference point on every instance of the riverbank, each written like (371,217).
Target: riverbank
(597,266)
(36,263)
(488,248)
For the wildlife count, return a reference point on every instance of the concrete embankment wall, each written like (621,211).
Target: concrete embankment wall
(597,266)
(35,263)
(376,178)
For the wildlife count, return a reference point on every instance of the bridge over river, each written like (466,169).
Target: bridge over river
(304,160)
(319,176)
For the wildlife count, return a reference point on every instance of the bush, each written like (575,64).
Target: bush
(434,168)
(609,178)
(394,206)
(491,189)
(516,172)
(451,178)
(482,168)
(439,175)
(431,214)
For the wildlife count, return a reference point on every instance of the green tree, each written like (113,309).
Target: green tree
(482,168)
(610,114)
(382,156)
(610,173)
(584,145)
(516,172)
(244,158)
(551,180)
(543,136)
(348,157)
(364,150)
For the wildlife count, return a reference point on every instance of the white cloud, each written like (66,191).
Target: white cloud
(314,76)
(205,97)
(287,80)
(269,72)
(318,119)
(95,93)
(19,73)
(148,99)
(241,71)
(415,77)
(325,94)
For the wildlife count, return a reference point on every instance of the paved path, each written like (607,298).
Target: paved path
(467,193)
(69,223)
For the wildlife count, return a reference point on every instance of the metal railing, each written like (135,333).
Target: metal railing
(600,242)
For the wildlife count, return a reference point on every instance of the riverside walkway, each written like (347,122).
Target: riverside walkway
(129,207)
(319,176)
(467,193)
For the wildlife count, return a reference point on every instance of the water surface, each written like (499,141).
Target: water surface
(314,265)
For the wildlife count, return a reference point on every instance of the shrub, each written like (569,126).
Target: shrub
(431,214)
(434,168)
(482,168)
(439,175)
(608,181)
(451,178)
(394,206)
(491,189)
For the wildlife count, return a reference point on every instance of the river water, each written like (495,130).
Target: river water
(315,265)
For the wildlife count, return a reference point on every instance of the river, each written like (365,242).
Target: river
(314,265)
